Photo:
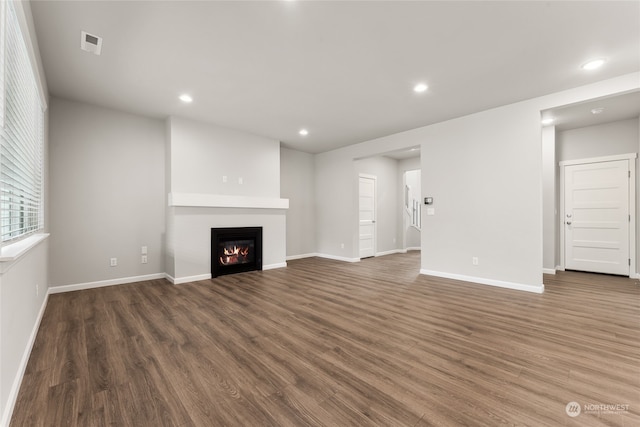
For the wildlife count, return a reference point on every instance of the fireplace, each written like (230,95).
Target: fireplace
(235,250)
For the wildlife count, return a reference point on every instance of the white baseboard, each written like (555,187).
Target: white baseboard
(274,266)
(15,387)
(338,258)
(102,283)
(188,279)
(391,252)
(301,256)
(549,270)
(499,283)
(558,268)
(414,248)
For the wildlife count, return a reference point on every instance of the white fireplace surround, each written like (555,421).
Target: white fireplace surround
(192,215)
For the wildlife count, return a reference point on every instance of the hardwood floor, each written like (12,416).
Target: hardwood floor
(324,343)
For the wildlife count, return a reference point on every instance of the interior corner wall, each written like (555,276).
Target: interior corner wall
(107,187)
(387,200)
(297,183)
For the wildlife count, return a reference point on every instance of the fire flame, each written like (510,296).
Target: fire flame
(235,255)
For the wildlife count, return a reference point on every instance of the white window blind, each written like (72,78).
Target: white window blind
(21,135)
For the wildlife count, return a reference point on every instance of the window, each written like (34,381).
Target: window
(21,134)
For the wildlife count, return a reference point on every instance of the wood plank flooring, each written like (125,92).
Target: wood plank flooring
(324,343)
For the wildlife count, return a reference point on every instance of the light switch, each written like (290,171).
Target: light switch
(431,211)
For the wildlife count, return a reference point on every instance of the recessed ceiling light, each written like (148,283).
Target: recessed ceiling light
(597,110)
(420,87)
(303,132)
(185,98)
(547,121)
(593,64)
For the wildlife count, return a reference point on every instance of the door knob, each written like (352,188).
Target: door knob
(568,222)
(568,215)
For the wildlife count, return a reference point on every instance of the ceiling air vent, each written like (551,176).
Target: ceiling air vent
(90,43)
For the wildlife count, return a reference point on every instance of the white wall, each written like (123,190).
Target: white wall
(620,137)
(485,174)
(549,198)
(107,190)
(202,154)
(388,235)
(20,305)
(297,183)
(20,310)
(337,206)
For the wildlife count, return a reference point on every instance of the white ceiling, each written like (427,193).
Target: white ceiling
(344,70)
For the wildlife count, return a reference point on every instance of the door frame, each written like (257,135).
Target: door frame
(631,157)
(374,178)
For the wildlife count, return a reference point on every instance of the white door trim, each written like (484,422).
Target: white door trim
(631,157)
(374,178)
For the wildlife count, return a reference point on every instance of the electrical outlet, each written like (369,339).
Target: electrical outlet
(113,262)
(240,180)
(143,250)
(143,260)
(224,178)
(474,260)
(342,246)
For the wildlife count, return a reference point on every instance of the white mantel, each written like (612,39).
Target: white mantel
(226,201)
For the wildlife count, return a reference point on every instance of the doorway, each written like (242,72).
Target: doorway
(412,210)
(597,214)
(367,215)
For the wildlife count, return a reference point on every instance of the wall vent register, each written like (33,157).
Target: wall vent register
(90,43)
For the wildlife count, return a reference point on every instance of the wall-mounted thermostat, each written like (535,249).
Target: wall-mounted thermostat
(428,200)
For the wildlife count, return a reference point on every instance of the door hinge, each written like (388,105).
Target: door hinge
(629,174)
(629,261)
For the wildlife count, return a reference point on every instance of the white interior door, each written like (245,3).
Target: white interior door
(596,220)
(367,209)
